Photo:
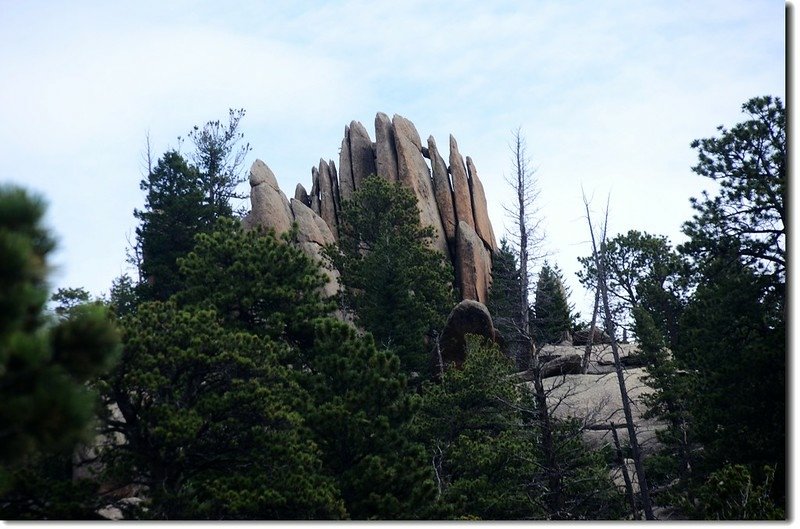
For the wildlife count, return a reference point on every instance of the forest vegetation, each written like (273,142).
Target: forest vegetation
(219,382)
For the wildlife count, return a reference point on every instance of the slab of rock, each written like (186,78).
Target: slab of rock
(473,264)
(562,365)
(346,187)
(337,203)
(315,205)
(461,196)
(595,401)
(581,337)
(385,152)
(313,234)
(327,207)
(269,206)
(362,157)
(443,193)
(479,210)
(413,172)
(468,317)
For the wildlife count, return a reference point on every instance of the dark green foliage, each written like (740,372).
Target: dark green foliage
(730,494)
(174,213)
(211,422)
(44,489)
(124,296)
(184,199)
(360,414)
(475,429)
(68,299)
(45,407)
(219,158)
(504,294)
(734,347)
(748,162)
(396,284)
(256,282)
(553,317)
(642,270)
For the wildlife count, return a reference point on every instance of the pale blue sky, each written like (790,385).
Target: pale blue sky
(609,95)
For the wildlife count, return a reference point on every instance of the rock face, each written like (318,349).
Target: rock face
(461,194)
(468,317)
(270,208)
(443,193)
(313,234)
(413,172)
(473,264)
(362,157)
(385,152)
(479,210)
(446,197)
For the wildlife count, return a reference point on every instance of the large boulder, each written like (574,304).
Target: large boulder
(269,206)
(385,152)
(473,264)
(443,192)
(599,336)
(461,194)
(468,317)
(413,172)
(478,196)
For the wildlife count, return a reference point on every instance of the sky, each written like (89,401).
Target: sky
(608,95)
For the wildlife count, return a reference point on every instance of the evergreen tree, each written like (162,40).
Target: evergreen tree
(553,319)
(642,270)
(184,199)
(356,406)
(174,213)
(258,283)
(398,287)
(45,404)
(211,424)
(483,453)
(503,303)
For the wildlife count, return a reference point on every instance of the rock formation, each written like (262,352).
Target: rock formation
(271,210)
(468,317)
(451,199)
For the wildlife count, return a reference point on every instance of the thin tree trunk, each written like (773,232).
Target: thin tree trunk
(625,475)
(626,405)
(588,353)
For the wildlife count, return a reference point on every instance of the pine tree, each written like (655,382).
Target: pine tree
(483,454)
(553,318)
(45,404)
(211,424)
(398,287)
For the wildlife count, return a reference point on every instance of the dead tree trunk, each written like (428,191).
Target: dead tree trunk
(588,353)
(625,476)
(599,258)
(523,214)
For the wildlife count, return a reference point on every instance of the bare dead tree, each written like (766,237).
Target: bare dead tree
(529,238)
(598,255)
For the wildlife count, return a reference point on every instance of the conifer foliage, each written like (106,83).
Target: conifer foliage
(398,287)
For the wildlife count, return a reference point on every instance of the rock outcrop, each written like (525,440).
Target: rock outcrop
(473,264)
(271,210)
(468,317)
(447,197)
(269,206)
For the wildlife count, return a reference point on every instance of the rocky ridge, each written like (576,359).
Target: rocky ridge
(451,199)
